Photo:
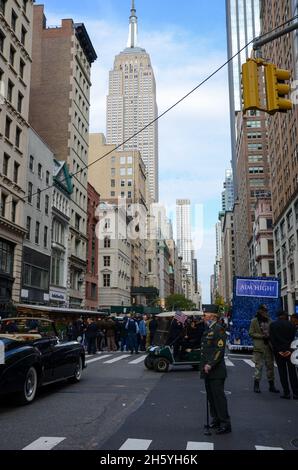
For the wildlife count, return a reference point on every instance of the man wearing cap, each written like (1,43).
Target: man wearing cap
(262,352)
(213,370)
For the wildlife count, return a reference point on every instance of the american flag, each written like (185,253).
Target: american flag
(179,316)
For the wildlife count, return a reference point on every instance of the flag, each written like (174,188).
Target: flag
(181,317)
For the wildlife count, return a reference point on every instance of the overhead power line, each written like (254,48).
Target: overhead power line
(168,109)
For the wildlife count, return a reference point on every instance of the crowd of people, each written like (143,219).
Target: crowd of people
(130,333)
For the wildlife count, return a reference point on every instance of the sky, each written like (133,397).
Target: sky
(186,42)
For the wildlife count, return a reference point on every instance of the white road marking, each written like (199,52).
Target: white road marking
(137,361)
(45,443)
(98,359)
(268,448)
(117,359)
(200,446)
(249,362)
(229,363)
(136,444)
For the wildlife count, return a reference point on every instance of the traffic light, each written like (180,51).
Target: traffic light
(250,82)
(276,89)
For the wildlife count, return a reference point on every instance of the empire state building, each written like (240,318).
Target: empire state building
(131,104)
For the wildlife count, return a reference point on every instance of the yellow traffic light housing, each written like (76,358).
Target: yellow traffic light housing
(276,89)
(250,82)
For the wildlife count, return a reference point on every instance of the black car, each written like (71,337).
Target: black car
(34,357)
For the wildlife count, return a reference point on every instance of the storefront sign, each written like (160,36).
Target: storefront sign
(257,288)
(58,296)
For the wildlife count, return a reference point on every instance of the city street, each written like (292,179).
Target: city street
(119,405)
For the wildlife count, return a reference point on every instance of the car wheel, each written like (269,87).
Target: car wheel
(27,395)
(161,365)
(78,372)
(149,363)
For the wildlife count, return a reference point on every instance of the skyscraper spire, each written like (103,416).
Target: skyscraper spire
(133,27)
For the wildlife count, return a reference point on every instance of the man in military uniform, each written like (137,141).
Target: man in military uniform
(213,370)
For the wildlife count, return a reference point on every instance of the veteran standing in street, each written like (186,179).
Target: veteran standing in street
(214,372)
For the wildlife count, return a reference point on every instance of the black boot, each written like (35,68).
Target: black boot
(272,388)
(257,386)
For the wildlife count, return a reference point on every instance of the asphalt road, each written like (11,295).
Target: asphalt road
(121,405)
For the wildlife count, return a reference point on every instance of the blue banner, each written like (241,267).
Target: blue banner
(257,288)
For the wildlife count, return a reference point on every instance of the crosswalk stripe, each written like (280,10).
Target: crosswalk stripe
(268,448)
(117,359)
(249,362)
(98,359)
(136,444)
(229,363)
(200,446)
(137,361)
(45,443)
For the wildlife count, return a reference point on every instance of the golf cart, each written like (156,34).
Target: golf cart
(178,353)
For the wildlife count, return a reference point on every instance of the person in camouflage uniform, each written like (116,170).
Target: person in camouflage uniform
(214,372)
(262,352)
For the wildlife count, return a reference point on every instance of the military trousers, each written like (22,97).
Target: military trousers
(217,399)
(261,358)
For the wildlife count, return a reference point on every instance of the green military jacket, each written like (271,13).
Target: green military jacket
(256,334)
(213,352)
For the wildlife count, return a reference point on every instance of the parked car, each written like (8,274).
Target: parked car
(34,356)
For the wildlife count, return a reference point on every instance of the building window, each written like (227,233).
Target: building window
(113,194)
(6,257)
(38,202)
(25,3)
(14,211)
(20,102)
(23,35)
(107,223)
(18,137)
(16,172)
(122,160)
(122,171)
(12,53)
(129,160)
(129,194)
(2,41)
(28,228)
(6,159)
(129,183)
(30,192)
(14,18)
(113,171)
(123,183)
(107,280)
(35,277)
(7,127)
(149,265)
(39,171)
(57,269)
(93,291)
(3,204)
(22,69)
(113,183)
(45,237)
(129,171)
(31,163)
(10,88)
(107,242)
(47,203)
(290,219)
(47,178)
(2,6)
(77,222)
(37,230)
(107,261)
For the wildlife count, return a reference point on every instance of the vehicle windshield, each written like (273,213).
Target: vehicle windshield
(26,329)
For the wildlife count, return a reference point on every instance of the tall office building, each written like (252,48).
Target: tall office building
(15,72)
(228,192)
(131,104)
(184,241)
(59,112)
(243,24)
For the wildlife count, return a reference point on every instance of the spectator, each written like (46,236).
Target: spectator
(91,335)
(110,334)
(282,334)
(132,335)
(143,333)
(259,331)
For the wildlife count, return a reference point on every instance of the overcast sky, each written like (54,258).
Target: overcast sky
(186,42)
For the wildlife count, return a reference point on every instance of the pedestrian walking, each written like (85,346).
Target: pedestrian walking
(282,333)
(143,333)
(132,328)
(214,371)
(91,335)
(262,351)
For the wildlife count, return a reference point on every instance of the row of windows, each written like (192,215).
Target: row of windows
(8,132)
(38,196)
(35,277)
(122,194)
(40,172)
(123,171)
(12,55)
(10,96)
(8,208)
(37,232)
(7,167)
